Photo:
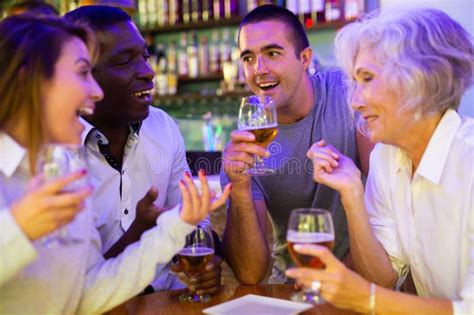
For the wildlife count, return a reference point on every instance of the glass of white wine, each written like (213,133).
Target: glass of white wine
(56,161)
(258,115)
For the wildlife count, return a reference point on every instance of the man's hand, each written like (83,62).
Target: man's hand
(239,155)
(147,212)
(207,282)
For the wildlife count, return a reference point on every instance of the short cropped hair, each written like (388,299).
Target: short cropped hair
(426,56)
(30,47)
(98,17)
(269,12)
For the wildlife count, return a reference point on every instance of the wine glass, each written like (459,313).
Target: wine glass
(309,226)
(56,161)
(258,115)
(196,254)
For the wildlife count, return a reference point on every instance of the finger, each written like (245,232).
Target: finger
(237,136)
(222,199)
(205,195)
(55,186)
(211,290)
(320,164)
(193,192)
(251,149)
(187,202)
(318,251)
(335,152)
(214,263)
(68,199)
(306,273)
(176,268)
(150,196)
(214,275)
(241,157)
(236,167)
(325,155)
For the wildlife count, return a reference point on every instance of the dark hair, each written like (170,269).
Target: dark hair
(29,50)
(98,17)
(36,8)
(270,12)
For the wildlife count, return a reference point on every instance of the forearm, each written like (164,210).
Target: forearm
(369,258)
(391,302)
(130,236)
(245,244)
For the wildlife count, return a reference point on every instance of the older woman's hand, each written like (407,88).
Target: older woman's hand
(333,169)
(339,285)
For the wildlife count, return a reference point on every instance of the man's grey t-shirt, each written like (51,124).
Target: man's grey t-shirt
(292,186)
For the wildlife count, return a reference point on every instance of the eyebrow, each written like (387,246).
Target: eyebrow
(267,47)
(82,59)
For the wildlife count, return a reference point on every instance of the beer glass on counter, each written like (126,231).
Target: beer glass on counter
(309,226)
(258,115)
(196,254)
(55,161)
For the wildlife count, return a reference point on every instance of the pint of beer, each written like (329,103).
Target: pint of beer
(301,238)
(195,259)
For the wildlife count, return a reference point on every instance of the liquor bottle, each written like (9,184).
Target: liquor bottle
(231,8)
(225,48)
(172,69)
(193,63)
(162,12)
(304,13)
(333,10)
(203,56)
(292,5)
(152,13)
(175,12)
(218,9)
(186,11)
(196,10)
(251,4)
(317,11)
(353,9)
(183,69)
(214,60)
(162,78)
(143,14)
(207,10)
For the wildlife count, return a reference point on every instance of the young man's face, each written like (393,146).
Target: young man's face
(271,66)
(125,75)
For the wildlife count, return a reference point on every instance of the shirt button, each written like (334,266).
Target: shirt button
(126,211)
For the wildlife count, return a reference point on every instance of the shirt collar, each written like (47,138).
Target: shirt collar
(12,156)
(436,154)
(91,131)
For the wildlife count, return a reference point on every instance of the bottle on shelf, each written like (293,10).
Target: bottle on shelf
(333,10)
(207,10)
(214,60)
(172,72)
(193,63)
(203,56)
(317,11)
(353,9)
(152,11)
(292,5)
(304,13)
(218,9)
(186,11)
(162,12)
(162,78)
(182,54)
(225,47)
(196,10)
(175,12)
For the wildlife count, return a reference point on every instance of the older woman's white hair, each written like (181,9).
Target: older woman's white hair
(426,56)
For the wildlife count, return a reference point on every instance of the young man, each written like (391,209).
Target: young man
(136,152)
(276,54)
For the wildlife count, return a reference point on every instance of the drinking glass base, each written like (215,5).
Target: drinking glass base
(307,297)
(194,298)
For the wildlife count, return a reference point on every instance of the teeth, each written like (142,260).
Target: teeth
(268,85)
(85,111)
(141,93)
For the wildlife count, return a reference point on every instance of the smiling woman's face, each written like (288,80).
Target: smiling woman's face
(70,92)
(378,103)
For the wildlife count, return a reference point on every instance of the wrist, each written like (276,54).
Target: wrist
(371,303)
(352,193)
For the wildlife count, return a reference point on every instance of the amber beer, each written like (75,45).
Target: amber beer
(264,135)
(195,259)
(301,238)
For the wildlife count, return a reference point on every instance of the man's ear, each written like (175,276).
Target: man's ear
(306,56)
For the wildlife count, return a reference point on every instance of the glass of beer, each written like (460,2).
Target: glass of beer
(309,226)
(55,161)
(258,115)
(196,254)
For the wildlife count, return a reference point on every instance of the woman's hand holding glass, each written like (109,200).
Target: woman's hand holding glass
(46,208)
(338,285)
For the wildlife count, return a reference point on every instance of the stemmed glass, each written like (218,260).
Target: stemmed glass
(258,115)
(59,160)
(196,254)
(309,226)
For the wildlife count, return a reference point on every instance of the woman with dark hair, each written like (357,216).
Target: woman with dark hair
(45,84)
(409,71)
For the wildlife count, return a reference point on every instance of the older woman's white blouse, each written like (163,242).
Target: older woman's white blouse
(73,278)
(425,222)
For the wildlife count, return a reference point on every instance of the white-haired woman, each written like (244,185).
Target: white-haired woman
(408,72)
